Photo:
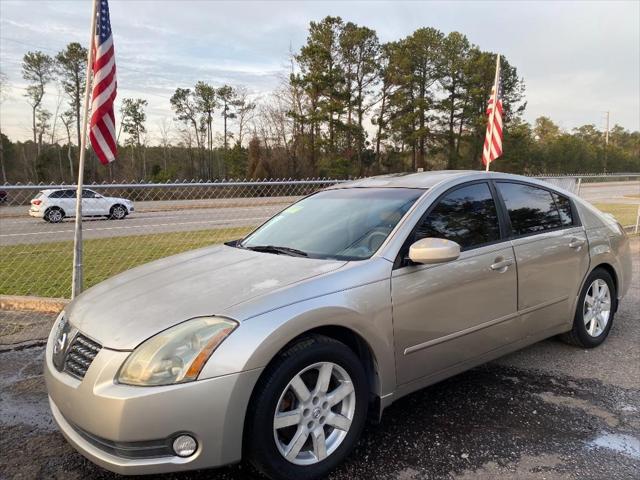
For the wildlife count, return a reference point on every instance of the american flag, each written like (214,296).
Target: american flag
(102,131)
(493,138)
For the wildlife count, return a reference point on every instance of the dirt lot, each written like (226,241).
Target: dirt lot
(548,412)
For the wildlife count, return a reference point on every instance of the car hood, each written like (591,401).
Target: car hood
(119,199)
(125,310)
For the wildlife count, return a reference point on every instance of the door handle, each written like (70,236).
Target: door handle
(576,243)
(501,266)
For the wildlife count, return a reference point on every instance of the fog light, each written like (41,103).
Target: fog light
(185,445)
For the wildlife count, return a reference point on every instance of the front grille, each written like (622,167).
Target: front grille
(80,355)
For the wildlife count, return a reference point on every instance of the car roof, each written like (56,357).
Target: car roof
(405,180)
(51,190)
(427,180)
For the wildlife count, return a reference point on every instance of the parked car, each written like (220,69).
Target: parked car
(278,346)
(54,205)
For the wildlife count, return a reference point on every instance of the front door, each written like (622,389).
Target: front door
(90,203)
(448,313)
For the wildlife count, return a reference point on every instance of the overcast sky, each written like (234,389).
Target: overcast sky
(578,59)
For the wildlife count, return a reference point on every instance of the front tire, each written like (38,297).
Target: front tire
(118,212)
(594,312)
(307,411)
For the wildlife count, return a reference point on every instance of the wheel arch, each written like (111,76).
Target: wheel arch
(355,342)
(610,269)
(118,204)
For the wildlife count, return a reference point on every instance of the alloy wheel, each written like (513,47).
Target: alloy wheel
(55,216)
(597,307)
(314,413)
(118,213)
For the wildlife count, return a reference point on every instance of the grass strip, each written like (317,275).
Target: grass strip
(625,213)
(44,269)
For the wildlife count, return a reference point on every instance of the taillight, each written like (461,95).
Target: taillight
(36,202)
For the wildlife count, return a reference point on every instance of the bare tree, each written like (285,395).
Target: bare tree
(67,119)
(37,68)
(245,112)
(71,65)
(165,130)
(228,97)
(206,101)
(4,87)
(133,124)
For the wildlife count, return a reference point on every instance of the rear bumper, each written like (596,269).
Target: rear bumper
(115,426)
(36,212)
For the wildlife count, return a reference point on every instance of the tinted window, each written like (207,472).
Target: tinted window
(531,209)
(564,208)
(467,216)
(57,194)
(88,194)
(69,194)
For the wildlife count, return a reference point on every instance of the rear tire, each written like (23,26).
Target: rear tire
(54,215)
(324,431)
(594,312)
(118,212)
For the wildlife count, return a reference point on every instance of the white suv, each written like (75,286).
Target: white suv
(54,205)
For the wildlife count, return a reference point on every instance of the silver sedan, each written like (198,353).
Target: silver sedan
(279,346)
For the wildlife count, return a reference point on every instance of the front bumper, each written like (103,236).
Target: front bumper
(211,410)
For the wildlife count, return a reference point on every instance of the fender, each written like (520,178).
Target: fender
(365,310)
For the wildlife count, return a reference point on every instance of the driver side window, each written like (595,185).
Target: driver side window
(468,216)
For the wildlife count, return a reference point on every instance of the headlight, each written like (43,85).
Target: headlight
(176,355)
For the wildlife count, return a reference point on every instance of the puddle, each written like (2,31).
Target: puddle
(618,442)
(572,402)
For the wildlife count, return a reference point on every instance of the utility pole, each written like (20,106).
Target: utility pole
(606,143)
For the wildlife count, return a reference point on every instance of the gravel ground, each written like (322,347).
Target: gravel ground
(547,412)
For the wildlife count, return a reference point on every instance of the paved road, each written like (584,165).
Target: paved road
(611,192)
(550,411)
(16,227)
(30,230)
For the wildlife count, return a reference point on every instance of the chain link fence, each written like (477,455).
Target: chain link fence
(165,219)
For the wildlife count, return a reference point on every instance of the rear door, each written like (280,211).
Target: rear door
(551,252)
(447,313)
(67,201)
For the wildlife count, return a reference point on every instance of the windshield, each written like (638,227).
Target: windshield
(346,224)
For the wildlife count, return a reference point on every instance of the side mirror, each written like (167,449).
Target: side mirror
(434,250)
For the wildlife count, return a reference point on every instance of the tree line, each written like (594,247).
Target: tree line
(349,106)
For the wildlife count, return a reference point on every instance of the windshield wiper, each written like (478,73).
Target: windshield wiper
(275,249)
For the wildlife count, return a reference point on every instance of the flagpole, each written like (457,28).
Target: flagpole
(493,105)
(76,282)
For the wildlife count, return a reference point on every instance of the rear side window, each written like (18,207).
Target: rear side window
(531,209)
(467,216)
(56,194)
(564,209)
(69,194)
